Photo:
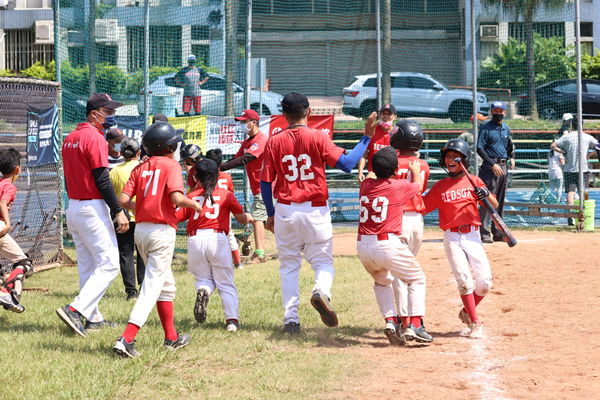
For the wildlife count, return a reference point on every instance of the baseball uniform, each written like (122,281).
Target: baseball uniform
(380,139)
(9,248)
(209,258)
(226,182)
(255,146)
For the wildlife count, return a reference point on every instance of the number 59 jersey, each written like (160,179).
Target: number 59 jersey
(214,215)
(382,203)
(295,160)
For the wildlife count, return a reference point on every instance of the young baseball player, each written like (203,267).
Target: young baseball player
(407,141)
(12,286)
(208,258)
(383,249)
(226,182)
(294,159)
(157,187)
(459,218)
(190,155)
(381,129)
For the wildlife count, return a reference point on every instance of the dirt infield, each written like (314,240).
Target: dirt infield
(541,323)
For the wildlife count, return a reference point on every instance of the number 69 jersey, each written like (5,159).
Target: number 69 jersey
(295,160)
(214,215)
(151,183)
(381,205)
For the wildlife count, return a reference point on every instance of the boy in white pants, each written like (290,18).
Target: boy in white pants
(157,186)
(209,258)
(383,250)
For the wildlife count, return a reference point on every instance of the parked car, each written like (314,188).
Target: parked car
(559,97)
(413,95)
(213,97)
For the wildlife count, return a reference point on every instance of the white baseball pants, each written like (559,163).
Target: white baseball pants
(233,244)
(95,241)
(465,252)
(209,260)
(302,227)
(412,231)
(156,243)
(9,248)
(382,257)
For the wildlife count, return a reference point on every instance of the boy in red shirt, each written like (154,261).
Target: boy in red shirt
(382,249)
(381,129)
(208,258)
(157,186)
(459,218)
(11,288)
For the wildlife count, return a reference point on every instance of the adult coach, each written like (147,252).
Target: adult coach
(495,147)
(190,78)
(380,130)
(250,155)
(93,208)
(295,160)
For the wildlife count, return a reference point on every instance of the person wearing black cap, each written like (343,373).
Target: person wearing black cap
(381,130)
(92,210)
(382,249)
(295,159)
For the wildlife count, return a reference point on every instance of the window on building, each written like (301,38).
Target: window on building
(312,6)
(106,53)
(76,56)
(587,48)
(21,52)
(200,32)
(586,29)
(545,29)
(202,52)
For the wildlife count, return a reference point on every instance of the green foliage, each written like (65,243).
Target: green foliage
(6,72)
(109,79)
(590,66)
(41,71)
(507,68)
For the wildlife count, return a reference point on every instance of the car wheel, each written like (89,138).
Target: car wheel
(548,111)
(265,109)
(366,108)
(460,111)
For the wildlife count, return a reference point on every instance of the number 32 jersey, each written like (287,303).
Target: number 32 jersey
(382,205)
(295,160)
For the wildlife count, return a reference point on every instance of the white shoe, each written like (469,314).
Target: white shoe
(391,331)
(476,331)
(232,326)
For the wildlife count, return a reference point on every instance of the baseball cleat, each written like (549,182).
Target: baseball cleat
(321,303)
(125,349)
(232,325)
(200,306)
(73,319)
(292,328)
(95,326)
(392,334)
(419,334)
(464,317)
(181,341)
(8,303)
(476,331)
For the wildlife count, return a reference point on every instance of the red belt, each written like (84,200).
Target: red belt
(195,232)
(465,229)
(380,236)
(312,203)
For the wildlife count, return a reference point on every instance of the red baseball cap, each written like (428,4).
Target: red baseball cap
(248,115)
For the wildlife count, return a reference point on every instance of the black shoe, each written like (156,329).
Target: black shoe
(321,303)
(73,319)
(181,341)
(132,295)
(292,328)
(125,349)
(571,221)
(95,326)
(417,334)
(487,240)
(394,337)
(7,301)
(200,306)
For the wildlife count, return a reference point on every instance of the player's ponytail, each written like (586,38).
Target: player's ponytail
(207,173)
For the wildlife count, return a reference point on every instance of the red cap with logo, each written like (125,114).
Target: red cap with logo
(248,115)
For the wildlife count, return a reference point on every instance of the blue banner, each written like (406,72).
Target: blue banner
(42,136)
(132,126)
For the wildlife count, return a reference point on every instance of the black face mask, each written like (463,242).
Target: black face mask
(497,118)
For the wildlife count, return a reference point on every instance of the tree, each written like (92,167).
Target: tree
(526,9)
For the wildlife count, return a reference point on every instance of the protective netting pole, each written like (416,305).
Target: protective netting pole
(378,39)
(474,80)
(580,153)
(146,61)
(248,54)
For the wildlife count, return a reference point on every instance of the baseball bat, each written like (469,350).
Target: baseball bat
(498,221)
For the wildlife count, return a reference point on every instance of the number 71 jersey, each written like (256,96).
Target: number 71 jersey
(381,205)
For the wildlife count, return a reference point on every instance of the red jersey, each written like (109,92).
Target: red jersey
(380,139)
(151,183)
(225,181)
(214,215)
(254,145)
(83,150)
(415,204)
(381,205)
(456,201)
(295,159)
(8,192)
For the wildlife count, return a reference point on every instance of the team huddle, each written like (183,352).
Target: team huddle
(288,180)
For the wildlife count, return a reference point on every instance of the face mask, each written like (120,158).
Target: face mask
(497,117)
(386,125)
(109,121)
(245,128)
(117,147)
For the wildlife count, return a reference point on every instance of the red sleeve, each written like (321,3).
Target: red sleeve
(411,190)
(267,173)
(234,206)
(9,193)
(131,185)
(258,147)
(174,181)
(331,153)
(431,200)
(97,151)
(230,183)
(426,176)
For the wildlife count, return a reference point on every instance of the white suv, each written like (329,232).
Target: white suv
(413,95)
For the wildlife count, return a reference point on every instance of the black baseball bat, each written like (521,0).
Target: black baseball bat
(500,224)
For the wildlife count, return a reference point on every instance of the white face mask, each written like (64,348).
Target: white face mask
(245,128)
(386,125)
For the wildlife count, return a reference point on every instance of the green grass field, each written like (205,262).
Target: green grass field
(43,359)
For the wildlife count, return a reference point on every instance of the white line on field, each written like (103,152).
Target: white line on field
(483,374)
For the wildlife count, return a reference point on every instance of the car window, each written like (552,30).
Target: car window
(214,83)
(421,83)
(400,82)
(371,82)
(593,88)
(567,87)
